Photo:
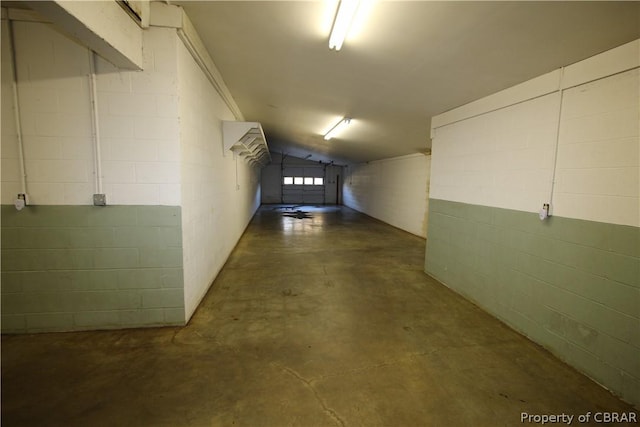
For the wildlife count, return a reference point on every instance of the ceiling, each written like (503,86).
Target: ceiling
(403,63)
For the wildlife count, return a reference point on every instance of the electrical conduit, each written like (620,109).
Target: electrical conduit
(18,119)
(97,160)
(555,154)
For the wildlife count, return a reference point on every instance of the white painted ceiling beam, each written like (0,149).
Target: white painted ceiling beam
(103,26)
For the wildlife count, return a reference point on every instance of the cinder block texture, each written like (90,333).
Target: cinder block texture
(138,121)
(55,114)
(85,267)
(219,193)
(503,158)
(139,124)
(393,190)
(599,151)
(506,158)
(571,285)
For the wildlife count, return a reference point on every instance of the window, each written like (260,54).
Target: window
(302,180)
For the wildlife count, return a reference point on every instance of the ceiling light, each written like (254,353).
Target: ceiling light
(339,127)
(342,22)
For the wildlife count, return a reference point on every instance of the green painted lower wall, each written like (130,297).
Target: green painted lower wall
(70,268)
(571,285)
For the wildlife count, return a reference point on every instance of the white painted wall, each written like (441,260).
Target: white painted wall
(103,26)
(139,125)
(394,190)
(500,151)
(137,113)
(599,151)
(503,158)
(10,166)
(56,122)
(220,194)
(161,141)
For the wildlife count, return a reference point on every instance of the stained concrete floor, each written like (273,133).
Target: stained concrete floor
(322,321)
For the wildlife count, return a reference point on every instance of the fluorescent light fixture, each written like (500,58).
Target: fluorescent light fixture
(339,127)
(342,22)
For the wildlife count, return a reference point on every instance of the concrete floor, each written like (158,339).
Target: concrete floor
(326,321)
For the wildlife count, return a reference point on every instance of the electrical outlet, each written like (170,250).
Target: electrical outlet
(99,200)
(544,212)
(21,201)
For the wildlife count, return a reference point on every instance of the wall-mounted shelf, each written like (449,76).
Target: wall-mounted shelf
(247,140)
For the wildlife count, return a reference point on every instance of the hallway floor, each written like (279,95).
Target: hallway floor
(327,320)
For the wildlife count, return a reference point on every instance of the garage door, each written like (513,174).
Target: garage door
(303,185)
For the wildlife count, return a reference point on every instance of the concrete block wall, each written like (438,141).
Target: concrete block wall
(56,117)
(598,152)
(169,224)
(571,282)
(79,267)
(66,264)
(394,190)
(220,191)
(139,125)
(137,113)
(508,162)
(104,26)
(9,164)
